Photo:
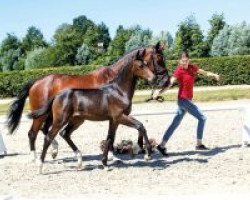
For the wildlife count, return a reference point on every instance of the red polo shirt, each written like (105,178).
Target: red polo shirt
(186,78)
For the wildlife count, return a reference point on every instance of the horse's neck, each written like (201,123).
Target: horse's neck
(126,82)
(116,67)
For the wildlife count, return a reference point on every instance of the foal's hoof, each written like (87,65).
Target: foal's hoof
(108,169)
(104,162)
(147,157)
(33,157)
(110,157)
(141,151)
(54,154)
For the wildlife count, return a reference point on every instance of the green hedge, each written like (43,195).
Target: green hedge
(12,82)
(234,70)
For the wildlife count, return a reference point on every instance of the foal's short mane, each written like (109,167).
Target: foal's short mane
(126,59)
(129,53)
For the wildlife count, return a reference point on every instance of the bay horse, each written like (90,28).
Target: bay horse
(41,90)
(112,102)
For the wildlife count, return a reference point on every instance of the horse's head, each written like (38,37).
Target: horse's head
(141,68)
(155,59)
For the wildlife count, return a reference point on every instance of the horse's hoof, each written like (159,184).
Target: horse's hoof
(149,99)
(33,156)
(40,166)
(104,162)
(108,169)
(147,157)
(141,151)
(54,154)
(110,157)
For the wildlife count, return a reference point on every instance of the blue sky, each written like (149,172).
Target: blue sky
(17,15)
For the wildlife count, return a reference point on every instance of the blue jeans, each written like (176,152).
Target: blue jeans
(185,106)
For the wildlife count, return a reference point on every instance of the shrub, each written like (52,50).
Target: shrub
(12,82)
(40,58)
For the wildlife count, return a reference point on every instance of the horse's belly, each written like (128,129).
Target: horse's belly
(92,116)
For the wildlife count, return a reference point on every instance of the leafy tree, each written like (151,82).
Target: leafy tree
(10,42)
(82,24)
(189,37)
(217,23)
(138,38)
(33,39)
(83,55)
(117,45)
(67,41)
(239,40)
(40,58)
(11,53)
(10,60)
(104,36)
(164,37)
(220,43)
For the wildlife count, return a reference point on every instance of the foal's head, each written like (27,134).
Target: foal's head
(141,68)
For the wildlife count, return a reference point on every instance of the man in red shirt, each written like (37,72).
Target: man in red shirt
(185,75)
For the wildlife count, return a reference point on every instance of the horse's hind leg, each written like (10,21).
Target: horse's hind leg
(47,141)
(45,131)
(32,134)
(66,134)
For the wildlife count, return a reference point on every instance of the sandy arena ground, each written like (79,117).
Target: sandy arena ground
(225,169)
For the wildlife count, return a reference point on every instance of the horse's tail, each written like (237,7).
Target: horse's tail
(16,108)
(45,110)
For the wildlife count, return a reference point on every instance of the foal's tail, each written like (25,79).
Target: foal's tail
(45,110)
(16,108)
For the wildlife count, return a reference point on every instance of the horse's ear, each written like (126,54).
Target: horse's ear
(140,54)
(158,47)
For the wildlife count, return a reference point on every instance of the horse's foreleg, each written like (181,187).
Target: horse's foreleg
(140,143)
(131,122)
(110,141)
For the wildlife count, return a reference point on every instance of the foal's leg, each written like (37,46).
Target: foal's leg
(134,123)
(60,120)
(66,134)
(47,141)
(110,141)
(45,131)
(32,134)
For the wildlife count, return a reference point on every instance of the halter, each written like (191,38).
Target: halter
(162,79)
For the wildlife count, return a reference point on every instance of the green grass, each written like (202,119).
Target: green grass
(203,96)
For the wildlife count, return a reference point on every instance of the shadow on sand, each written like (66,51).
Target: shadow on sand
(156,163)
